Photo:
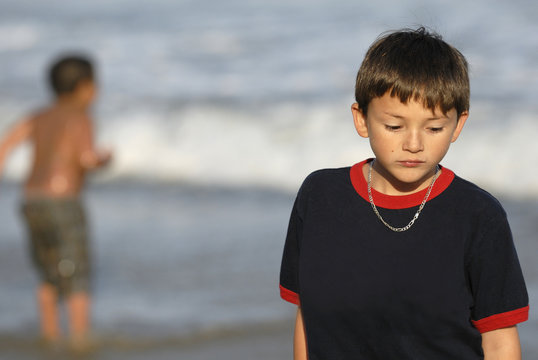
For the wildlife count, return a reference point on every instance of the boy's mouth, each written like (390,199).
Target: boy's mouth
(410,163)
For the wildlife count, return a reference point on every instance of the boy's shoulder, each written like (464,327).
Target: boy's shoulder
(325,181)
(55,114)
(326,176)
(472,196)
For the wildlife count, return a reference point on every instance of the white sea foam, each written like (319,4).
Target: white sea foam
(279,146)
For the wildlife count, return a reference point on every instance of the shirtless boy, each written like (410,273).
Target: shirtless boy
(63,151)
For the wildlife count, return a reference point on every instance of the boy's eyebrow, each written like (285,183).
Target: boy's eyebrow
(438,117)
(394,115)
(431,118)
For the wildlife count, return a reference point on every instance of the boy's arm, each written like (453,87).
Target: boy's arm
(501,344)
(90,157)
(14,137)
(299,338)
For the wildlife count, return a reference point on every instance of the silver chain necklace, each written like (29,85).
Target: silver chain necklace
(417,214)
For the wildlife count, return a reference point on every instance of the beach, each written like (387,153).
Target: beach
(215,113)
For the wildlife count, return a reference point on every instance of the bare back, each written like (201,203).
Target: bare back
(58,137)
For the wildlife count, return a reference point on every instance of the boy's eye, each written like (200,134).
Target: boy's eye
(436,129)
(392,127)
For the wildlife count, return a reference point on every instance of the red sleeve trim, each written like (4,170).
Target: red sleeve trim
(289,295)
(502,320)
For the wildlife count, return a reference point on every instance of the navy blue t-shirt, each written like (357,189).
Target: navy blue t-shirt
(367,292)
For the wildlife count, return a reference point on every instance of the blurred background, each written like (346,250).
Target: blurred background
(216,111)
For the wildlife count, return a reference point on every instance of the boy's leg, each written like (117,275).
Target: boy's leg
(78,306)
(47,298)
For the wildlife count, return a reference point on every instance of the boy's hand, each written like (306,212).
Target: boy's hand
(105,156)
(94,159)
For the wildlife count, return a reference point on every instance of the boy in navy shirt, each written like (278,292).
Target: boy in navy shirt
(397,257)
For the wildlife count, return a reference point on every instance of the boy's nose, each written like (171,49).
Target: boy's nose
(413,142)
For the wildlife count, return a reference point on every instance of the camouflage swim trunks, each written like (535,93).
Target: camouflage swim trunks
(59,242)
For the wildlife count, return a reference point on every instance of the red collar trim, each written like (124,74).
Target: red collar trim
(401,201)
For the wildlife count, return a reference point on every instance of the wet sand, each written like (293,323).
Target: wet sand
(273,342)
(270,342)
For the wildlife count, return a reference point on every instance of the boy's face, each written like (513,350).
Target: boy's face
(86,92)
(408,141)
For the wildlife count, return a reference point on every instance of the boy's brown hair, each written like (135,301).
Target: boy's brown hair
(414,64)
(68,72)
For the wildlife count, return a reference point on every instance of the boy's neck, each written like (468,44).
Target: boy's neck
(384,183)
(71,101)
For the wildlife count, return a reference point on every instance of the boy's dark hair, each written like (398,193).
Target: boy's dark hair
(67,72)
(414,64)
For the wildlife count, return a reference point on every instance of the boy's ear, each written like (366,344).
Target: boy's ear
(461,121)
(360,120)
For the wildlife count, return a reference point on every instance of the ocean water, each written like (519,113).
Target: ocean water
(215,112)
